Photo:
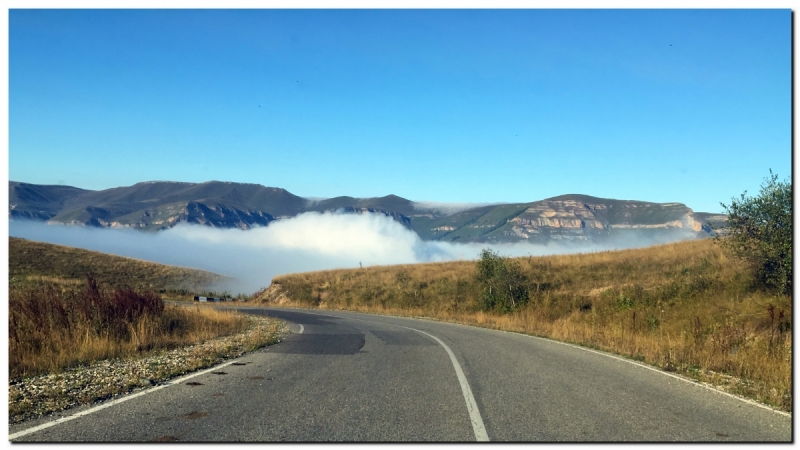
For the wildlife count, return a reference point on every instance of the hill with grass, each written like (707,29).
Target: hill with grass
(153,206)
(31,261)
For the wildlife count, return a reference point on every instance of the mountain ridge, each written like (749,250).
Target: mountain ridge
(158,205)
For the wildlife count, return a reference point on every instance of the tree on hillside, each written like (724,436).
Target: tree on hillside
(505,287)
(759,230)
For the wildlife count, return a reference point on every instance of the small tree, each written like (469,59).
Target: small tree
(759,230)
(505,287)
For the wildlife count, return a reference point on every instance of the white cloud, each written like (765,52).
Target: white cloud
(307,242)
(448,208)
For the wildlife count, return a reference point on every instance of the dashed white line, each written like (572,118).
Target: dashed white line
(301,328)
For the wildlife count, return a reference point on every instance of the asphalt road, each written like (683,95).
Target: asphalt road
(356,377)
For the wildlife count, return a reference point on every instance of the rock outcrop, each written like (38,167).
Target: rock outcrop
(575,218)
(221,216)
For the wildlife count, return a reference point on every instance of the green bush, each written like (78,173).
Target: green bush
(505,287)
(759,230)
(623,302)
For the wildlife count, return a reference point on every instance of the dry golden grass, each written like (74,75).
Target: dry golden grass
(31,260)
(54,280)
(53,326)
(685,307)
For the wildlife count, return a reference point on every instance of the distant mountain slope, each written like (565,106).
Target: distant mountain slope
(153,193)
(571,217)
(391,205)
(38,202)
(160,205)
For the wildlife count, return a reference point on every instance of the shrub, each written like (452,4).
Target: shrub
(505,287)
(759,230)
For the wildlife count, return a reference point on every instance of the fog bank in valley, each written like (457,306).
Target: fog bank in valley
(308,242)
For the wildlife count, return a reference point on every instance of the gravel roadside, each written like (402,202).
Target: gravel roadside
(32,397)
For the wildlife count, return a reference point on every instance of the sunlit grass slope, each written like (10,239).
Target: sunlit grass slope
(31,260)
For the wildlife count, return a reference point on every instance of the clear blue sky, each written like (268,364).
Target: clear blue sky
(692,106)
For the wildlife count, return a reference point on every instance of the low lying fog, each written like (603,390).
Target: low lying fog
(448,208)
(307,242)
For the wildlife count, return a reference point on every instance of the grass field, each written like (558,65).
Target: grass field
(686,307)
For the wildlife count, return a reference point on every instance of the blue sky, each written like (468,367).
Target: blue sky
(692,106)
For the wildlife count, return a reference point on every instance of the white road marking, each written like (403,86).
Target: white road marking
(114,402)
(662,372)
(301,328)
(472,406)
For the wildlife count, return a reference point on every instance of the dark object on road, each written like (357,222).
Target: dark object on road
(164,439)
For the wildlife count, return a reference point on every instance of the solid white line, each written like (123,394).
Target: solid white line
(114,402)
(472,406)
(301,328)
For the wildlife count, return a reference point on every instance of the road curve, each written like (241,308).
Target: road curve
(345,376)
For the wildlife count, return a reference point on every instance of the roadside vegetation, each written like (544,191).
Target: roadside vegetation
(52,328)
(69,306)
(759,231)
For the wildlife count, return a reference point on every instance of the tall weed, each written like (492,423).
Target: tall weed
(53,326)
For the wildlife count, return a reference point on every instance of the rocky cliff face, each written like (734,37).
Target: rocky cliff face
(565,215)
(576,219)
(167,216)
(224,217)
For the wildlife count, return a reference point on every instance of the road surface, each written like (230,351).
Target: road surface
(344,376)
